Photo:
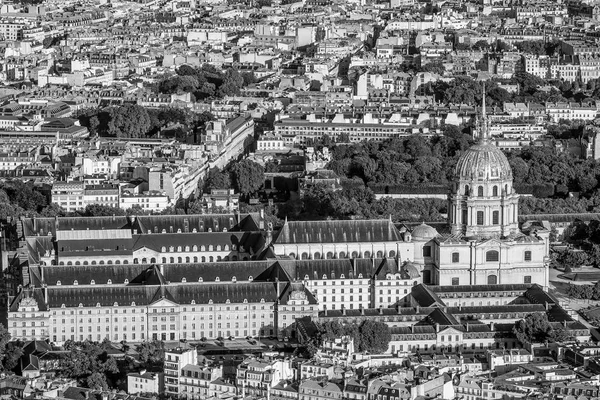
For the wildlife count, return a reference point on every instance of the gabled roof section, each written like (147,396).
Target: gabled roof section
(425,297)
(337,231)
(439,316)
(150,277)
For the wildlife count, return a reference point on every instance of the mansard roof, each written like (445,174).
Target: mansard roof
(143,295)
(156,241)
(201,223)
(139,273)
(337,231)
(331,268)
(143,224)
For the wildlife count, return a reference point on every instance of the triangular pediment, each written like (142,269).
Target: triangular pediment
(450,330)
(163,302)
(492,243)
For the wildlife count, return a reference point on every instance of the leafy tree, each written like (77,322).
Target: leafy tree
(88,362)
(151,354)
(97,381)
(129,121)
(4,340)
(247,176)
(12,354)
(481,45)
(434,67)
(535,328)
(216,179)
(99,210)
(375,336)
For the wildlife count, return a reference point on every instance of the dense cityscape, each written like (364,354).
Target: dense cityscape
(299,200)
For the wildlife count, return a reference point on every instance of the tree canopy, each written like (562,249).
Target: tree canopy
(535,328)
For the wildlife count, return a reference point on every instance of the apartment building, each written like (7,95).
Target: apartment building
(256,377)
(175,360)
(145,382)
(69,195)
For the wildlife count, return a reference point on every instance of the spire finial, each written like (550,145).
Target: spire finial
(483,135)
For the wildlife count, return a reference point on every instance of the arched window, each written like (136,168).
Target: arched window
(164,260)
(480,191)
(355,254)
(392,253)
(179,260)
(492,256)
(305,256)
(342,254)
(367,254)
(317,256)
(195,259)
(203,259)
(329,255)
(527,256)
(211,259)
(194,248)
(380,254)
(172,260)
(153,260)
(495,191)
(144,261)
(467,190)
(187,260)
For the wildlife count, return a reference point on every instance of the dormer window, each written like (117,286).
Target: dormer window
(200,279)
(183,280)
(193,302)
(58,283)
(250,278)
(75,282)
(133,304)
(92,282)
(109,282)
(116,304)
(227,301)
(126,281)
(217,279)
(245,301)
(233,279)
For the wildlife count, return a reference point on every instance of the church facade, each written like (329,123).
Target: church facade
(485,245)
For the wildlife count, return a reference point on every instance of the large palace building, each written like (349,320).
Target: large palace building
(193,276)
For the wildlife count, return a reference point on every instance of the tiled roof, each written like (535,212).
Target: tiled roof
(337,231)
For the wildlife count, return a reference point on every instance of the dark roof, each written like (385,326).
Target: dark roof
(425,296)
(201,293)
(338,231)
(479,288)
(202,223)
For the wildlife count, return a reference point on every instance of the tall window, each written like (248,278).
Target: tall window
(426,251)
(495,191)
(527,255)
(492,255)
(455,257)
(455,281)
(479,217)
(495,217)
(466,190)
(480,191)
